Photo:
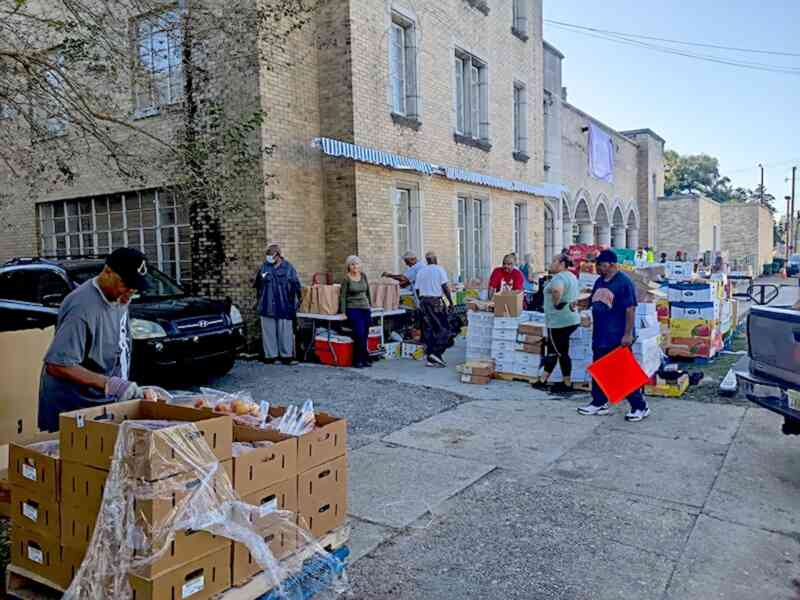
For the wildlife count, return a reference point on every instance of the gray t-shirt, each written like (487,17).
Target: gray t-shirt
(93,333)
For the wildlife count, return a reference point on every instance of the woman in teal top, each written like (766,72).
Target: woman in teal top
(561,321)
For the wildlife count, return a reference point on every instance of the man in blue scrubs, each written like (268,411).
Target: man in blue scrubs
(614,317)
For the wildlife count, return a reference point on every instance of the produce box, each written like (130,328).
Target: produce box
(322,496)
(478,368)
(476,379)
(508,304)
(690,328)
(260,467)
(88,436)
(199,579)
(36,470)
(695,291)
(668,390)
(413,351)
(394,350)
(34,512)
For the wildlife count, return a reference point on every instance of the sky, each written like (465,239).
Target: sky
(741,116)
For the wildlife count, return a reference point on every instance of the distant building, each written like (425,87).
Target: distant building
(620,213)
(743,232)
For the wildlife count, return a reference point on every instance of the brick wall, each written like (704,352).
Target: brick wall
(747,232)
(678,226)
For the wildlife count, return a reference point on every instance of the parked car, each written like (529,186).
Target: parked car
(793,265)
(174,333)
(772,376)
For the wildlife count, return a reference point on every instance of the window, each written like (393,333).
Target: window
(151,221)
(472,111)
(520,229)
(403,68)
(520,122)
(51,287)
(519,26)
(472,239)
(159,56)
(55,122)
(408,223)
(19,285)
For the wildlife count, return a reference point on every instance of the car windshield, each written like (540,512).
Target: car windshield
(161,286)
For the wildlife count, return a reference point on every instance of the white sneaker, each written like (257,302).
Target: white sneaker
(637,415)
(437,359)
(591,409)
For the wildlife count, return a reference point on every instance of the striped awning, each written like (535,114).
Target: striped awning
(337,148)
(370,155)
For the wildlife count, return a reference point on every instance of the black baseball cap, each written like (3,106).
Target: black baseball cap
(131,266)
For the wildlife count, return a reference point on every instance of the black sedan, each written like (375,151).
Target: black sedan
(176,336)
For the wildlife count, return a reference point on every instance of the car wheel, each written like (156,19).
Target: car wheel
(224,365)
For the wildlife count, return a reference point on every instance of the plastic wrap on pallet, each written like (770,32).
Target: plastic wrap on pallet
(201,498)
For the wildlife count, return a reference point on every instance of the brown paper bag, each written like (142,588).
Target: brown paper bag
(325,299)
(385,294)
(305,300)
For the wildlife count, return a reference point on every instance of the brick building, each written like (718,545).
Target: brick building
(620,213)
(395,125)
(696,225)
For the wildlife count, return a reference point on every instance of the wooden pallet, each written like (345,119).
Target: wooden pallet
(22,584)
(515,377)
(25,585)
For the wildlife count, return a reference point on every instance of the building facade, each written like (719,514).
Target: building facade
(621,212)
(394,125)
(696,225)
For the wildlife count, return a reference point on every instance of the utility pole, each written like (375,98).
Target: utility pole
(761,189)
(792,237)
(788,228)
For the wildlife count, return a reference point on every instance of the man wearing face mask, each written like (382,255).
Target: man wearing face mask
(279,291)
(89,358)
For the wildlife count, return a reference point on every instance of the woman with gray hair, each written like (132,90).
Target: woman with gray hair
(355,302)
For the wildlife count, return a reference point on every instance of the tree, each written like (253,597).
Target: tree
(699,174)
(79,93)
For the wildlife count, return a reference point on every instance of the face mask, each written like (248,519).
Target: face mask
(271,260)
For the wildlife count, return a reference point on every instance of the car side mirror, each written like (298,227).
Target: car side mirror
(53,300)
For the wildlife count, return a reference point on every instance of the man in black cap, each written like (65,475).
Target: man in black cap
(613,318)
(90,355)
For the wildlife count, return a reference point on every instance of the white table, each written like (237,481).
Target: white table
(377,313)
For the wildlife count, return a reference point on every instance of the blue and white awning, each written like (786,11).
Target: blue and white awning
(336,148)
(370,155)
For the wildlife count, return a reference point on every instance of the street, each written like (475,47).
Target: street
(498,491)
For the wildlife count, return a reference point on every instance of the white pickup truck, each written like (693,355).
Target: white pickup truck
(771,378)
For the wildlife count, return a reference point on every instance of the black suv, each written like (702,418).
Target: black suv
(172,331)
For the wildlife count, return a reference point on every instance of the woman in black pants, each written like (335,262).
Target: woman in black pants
(355,302)
(561,321)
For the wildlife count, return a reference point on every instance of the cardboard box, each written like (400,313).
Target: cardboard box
(256,469)
(281,541)
(413,351)
(530,339)
(76,528)
(82,487)
(504,345)
(199,579)
(185,547)
(504,335)
(699,311)
(477,379)
(21,356)
(41,555)
(322,496)
(506,323)
(536,330)
(478,368)
(34,512)
(88,436)
(668,390)
(326,442)
(508,304)
(529,348)
(691,328)
(393,350)
(30,469)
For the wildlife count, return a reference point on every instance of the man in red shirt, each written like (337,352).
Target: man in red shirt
(507,275)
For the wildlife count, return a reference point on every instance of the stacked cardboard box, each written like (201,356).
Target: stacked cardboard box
(479,335)
(504,342)
(57,499)
(696,310)
(580,351)
(477,372)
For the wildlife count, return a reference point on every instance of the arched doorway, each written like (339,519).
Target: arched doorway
(618,235)
(566,225)
(583,220)
(602,227)
(549,233)
(633,231)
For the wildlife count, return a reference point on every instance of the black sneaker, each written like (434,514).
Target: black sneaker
(562,388)
(540,385)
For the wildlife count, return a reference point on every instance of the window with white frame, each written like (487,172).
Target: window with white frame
(472,238)
(520,230)
(151,221)
(520,24)
(403,67)
(520,119)
(472,97)
(159,60)
(408,222)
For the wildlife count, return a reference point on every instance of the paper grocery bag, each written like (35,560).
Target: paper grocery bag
(508,304)
(325,299)
(305,300)
(385,294)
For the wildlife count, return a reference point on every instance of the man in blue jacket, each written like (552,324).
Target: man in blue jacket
(614,318)
(279,292)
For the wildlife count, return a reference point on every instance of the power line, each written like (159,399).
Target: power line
(684,43)
(621,39)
